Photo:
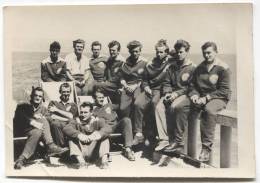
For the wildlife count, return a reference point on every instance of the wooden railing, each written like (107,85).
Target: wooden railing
(227,120)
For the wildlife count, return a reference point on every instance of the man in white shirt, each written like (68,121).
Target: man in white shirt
(78,67)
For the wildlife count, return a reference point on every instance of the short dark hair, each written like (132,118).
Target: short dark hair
(87,104)
(182,43)
(55,46)
(34,91)
(114,43)
(64,85)
(209,44)
(96,43)
(134,44)
(161,43)
(97,89)
(78,41)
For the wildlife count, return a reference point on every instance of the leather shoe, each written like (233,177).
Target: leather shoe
(204,155)
(19,163)
(129,154)
(138,140)
(174,147)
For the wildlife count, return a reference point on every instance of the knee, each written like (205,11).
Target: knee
(126,121)
(36,133)
(209,110)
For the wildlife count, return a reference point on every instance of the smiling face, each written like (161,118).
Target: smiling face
(37,97)
(135,53)
(85,113)
(78,49)
(113,51)
(65,94)
(99,98)
(161,52)
(209,54)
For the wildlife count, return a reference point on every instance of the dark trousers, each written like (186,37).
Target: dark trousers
(145,104)
(57,132)
(208,120)
(125,126)
(177,118)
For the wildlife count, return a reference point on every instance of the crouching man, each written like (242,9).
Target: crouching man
(30,120)
(88,140)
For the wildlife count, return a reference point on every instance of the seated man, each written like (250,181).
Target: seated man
(173,109)
(61,113)
(78,68)
(88,140)
(210,93)
(30,120)
(53,68)
(107,112)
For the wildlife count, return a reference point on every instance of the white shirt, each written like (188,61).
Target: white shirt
(75,66)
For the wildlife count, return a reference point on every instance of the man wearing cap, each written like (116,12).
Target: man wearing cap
(53,68)
(78,68)
(210,93)
(111,84)
(173,109)
(154,75)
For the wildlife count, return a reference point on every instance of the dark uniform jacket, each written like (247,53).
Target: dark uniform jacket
(97,67)
(133,73)
(112,68)
(214,82)
(178,78)
(154,73)
(53,71)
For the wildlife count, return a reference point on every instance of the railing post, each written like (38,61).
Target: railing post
(225,146)
(192,136)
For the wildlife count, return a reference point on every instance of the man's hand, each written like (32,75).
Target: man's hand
(148,90)
(194,99)
(202,100)
(53,108)
(37,124)
(83,138)
(82,83)
(173,96)
(38,116)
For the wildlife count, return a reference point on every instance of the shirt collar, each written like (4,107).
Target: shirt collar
(215,63)
(50,61)
(187,62)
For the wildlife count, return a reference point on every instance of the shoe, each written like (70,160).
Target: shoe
(138,140)
(53,150)
(129,154)
(174,147)
(79,165)
(204,155)
(19,163)
(161,145)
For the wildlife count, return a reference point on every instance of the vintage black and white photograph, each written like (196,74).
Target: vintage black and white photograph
(128,90)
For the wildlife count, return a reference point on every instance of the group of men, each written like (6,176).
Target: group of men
(151,101)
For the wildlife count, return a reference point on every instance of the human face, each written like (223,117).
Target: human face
(209,54)
(85,113)
(100,98)
(161,52)
(37,97)
(65,94)
(79,47)
(96,50)
(54,54)
(114,51)
(181,54)
(135,53)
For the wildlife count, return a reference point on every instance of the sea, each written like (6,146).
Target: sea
(26,72)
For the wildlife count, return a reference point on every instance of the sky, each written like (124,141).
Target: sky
(34,28)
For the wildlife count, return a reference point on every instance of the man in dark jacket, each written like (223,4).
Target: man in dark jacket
(210,93)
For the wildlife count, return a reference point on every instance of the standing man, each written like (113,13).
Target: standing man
(78,67)
(154,75)
(173,109)
(88,140)
(131,77)
(97,62)
(30,120)
(210,94)
(53,68)
(108,113)
(61,113)
(112,82)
